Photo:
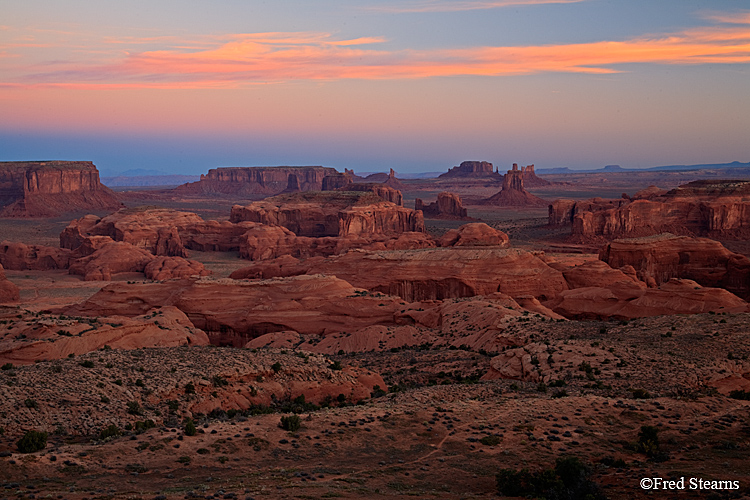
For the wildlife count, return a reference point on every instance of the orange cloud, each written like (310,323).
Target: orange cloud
(259,58)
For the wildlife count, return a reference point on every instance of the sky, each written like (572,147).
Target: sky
(182,86)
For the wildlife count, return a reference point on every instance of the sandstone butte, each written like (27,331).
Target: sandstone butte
(431,273)
(513,193)
(51,188)
(48,337)
(447,206)
(713,208)
(267,181)
(331,213)
(477,169)
(657,259)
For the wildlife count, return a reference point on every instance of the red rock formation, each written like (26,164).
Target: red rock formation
(336,181)
(623,301)
(257,180)
(433,273)
(718,209)
(513,193)
(331,213)
(392,182)
(474,234)
(658,259)
(8,291)
(385,192)
(596,273)
(47,189)
(19,257)
(562,212)
(471,169)
(111,258)
(233,312)
(530,178)
(166,268)
(447,206)
(49,337)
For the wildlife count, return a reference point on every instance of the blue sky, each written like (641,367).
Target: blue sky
(182,86)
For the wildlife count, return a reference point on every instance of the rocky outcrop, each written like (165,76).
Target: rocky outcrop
(471,169)
(473,235)
(8,291)
(563,212)
(717,209)
(166,268)
(267,181)
(628,301)
(51,188)
(20,257)
(336,181)
(233,312)
(513,193)
(658,259)
(430,274)
(385,192)
(28,338)
(112,258)
(447,206)
(331,213)
(596,273)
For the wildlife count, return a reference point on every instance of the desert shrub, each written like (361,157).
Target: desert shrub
(31,403)
(219,381)
(569,480)
(561,393)
(492,440)
(648,441)
(740,394)
(111,431)
(104,399)
(32,441)
(290,423)
(87,364)
(641,394)
(143,426)
(336,365)
(139,383)
(190,429)
(7,366)
(203,451)
(276,367)
(189,388)
(134,408)
(173,405)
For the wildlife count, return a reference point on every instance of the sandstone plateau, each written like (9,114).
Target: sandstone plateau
(51,188)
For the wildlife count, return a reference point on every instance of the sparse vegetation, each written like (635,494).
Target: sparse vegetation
(32,441)
(290,423)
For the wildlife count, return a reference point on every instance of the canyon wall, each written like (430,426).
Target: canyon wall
(258,180)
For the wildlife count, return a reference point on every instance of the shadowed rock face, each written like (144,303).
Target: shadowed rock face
(447,206)
(46,189)
(657,259)
(331,213)
(258,180)
(717,209)
(8,291)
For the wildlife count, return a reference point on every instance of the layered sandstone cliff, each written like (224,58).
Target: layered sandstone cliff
(658,259)
(258,180)
(331,213)
(51,188)
(718,209)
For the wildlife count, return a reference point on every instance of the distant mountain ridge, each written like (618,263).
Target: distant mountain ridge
(618,168)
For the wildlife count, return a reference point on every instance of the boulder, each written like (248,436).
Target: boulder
(474,234)
(8,291)
(111,258)
(20,257)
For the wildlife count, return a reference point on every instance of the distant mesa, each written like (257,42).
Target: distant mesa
(52,188)
(268,181)
(514,193)
(472,169)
